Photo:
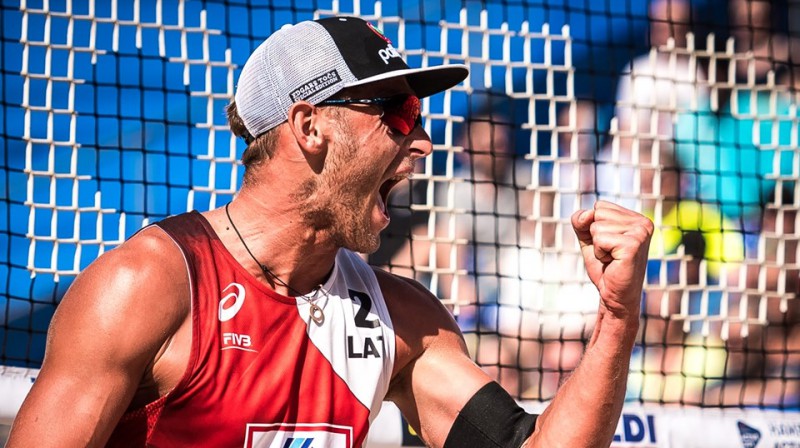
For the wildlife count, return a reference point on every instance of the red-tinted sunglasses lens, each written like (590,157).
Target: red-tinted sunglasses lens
(403,113)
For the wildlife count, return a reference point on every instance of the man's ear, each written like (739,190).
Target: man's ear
(308,128)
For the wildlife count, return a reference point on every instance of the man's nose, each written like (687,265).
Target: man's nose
(421,145)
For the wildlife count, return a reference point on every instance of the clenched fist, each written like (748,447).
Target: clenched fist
(614,242)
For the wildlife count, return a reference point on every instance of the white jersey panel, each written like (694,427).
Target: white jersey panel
(356,336)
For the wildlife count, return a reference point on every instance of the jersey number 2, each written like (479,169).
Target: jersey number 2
(363,310)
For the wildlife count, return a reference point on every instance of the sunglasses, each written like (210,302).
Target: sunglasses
(402,113)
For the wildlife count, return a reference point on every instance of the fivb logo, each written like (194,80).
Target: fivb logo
(298,435)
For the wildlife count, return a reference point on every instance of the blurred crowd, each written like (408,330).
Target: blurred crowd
(703,139)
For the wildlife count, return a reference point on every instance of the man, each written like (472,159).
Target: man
(256,325)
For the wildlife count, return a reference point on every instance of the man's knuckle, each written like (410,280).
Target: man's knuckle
(648,225)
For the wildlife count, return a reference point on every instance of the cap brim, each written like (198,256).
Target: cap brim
(424,81)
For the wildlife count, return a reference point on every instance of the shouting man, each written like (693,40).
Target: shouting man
(256,324)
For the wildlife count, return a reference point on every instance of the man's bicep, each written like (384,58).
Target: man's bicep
(454,404)
(72,407)
(441,392)
(104,333)
(432,390)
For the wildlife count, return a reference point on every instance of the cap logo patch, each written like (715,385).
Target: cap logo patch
(388,53)
(315,85)
(379,33)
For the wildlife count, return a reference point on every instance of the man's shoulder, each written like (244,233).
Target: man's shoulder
(415,311)
(149,264)
(398,287)
(423,326)
(151,247)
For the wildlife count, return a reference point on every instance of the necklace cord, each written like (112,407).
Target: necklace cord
(267,272)
(314,312)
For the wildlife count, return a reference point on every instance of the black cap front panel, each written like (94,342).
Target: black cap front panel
(364,48)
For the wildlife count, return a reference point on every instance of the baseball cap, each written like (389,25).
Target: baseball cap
(313,60)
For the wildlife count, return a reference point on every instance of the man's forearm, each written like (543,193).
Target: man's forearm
(587,407)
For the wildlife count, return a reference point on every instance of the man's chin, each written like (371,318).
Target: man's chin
(365,244)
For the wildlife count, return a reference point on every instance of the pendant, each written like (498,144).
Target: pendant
(316,314)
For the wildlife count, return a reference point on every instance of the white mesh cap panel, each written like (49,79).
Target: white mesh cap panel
(289,59)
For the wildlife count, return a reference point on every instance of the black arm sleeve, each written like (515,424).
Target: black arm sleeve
(491,419)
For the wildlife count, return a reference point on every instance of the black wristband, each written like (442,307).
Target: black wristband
(491,419)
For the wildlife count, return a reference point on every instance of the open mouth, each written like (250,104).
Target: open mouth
(387,187)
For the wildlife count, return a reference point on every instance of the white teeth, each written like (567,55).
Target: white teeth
(381,204)
(400,177)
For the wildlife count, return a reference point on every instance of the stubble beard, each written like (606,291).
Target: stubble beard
(336,202)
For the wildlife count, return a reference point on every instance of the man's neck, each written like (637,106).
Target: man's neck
(277,237)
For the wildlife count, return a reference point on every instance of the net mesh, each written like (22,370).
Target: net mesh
(113,117)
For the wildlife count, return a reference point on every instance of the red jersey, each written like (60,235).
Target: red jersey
(261,372)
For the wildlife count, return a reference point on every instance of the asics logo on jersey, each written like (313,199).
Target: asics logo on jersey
(228,311)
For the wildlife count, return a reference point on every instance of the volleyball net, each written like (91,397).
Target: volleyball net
(687,111)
